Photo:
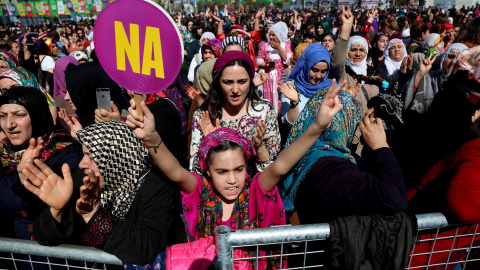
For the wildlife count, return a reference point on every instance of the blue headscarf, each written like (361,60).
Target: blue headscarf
(313,54)
(334,141)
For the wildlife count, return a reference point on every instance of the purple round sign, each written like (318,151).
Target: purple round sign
(138,45)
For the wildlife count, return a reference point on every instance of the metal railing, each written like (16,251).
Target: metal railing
(20,254)
(440,243)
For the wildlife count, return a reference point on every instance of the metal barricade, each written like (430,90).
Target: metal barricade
(440,244)
(25,254)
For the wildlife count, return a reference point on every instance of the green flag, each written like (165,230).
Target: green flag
(53,8)
(89,6)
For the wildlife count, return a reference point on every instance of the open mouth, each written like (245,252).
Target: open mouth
(14,134)
(235,97)
(232,190)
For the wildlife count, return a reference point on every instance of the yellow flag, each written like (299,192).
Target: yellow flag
(76,6)
(39,8)
(21,10)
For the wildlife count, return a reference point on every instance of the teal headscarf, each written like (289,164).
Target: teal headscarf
(334,141)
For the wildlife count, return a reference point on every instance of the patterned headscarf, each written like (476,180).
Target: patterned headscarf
(25,78)
(334,141)
(9,58)
(467,61)
(227,57)
(122,161)
(215,45)
(298,52)
(393,66)
(219,135)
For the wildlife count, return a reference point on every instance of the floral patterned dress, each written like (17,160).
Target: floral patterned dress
(247,126)
(254,208)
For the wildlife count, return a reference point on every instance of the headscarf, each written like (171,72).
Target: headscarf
(237,26)
(281,31)
(227,57)
(430,41)
(203,78)
(9,58)
(82,82)
(209,35)
(121,159)
(298,52)
(42,126)
(219,135)
(232,39)
(327,27)
(215,45)
(393,66)
(79,55)
(454,48)
(25,78)
(59,86)
(358,68)
(334,141)
(310,57)
(468,61)
(406,36)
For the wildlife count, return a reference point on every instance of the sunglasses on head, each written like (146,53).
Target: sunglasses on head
(451,56)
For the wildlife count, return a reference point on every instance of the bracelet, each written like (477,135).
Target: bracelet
(294,104)
(155,147)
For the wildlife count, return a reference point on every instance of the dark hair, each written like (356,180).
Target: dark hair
(331,35)
(214,100)
(222,147)
(417,29)
(195,27)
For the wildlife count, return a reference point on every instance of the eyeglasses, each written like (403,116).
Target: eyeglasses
(74,35)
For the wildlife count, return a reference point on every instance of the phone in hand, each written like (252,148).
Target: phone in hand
(103,99)
(30,37)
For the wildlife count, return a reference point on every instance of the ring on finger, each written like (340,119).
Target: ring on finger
(39,186)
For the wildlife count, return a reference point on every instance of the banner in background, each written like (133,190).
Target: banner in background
(12,10)
(53,8)
(76,6)
(60,8)
(88,6)
(69,9)
(98,5)
(46,9)
(21,9)
(29,9)
(81,4)
(39,8)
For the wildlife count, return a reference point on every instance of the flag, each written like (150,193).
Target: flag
(69,8)
(46,9)
(53,8)
(98,5)
(76,6)
(60,8)
(29,9)
(21,9)
(4,9)
(12,10)
(81,4)
(88,6)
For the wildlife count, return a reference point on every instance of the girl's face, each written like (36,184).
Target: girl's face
(207,55)
(396,51)
(235,83)
(16,123)
(227,170)
(320,29)
(199,31)
(290,32)
(318,72)
(189,26)
(15,48)
(382,43)
(328,43)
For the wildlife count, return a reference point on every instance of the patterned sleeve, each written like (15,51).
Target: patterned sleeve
(262,54)
(197,136)
(271,139)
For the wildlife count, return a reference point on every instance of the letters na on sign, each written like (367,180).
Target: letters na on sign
(138,45)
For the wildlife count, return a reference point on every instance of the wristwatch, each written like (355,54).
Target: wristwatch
(294,104)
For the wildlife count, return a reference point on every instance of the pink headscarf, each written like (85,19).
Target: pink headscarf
(227,57)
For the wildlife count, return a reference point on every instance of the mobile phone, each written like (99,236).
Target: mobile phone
(29,38)
(103,99)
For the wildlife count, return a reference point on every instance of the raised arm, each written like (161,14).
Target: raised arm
(292,154)
(341,46)
(144,128)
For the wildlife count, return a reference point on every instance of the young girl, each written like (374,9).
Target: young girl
(227,195)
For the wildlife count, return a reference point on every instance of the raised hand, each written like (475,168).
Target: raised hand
(104,115)
(409,62)
(347,16)
(288,91)
(33,151)
(330,105)
(372,130)
(90,193)
(260,79)
(143,126)
(259,134)
(426,65)
(206,124)
(70,125)
(354,90)
(48,186)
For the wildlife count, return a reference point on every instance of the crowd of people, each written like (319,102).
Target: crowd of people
(276,117)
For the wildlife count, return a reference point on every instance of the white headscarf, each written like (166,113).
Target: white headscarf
(454,48)
(359,68)
(406,36)
(430,41)
(393,66)
(281,31)
(209,35)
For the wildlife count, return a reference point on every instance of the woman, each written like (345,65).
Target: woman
(14,47)
(24,116)
(274,57)
(390,28)
(398,67)
(46,66)
(434,42)
(418,33)
(233,102)
(309,75)
(379,44)
(7,60)
(327,183)
(125,208)
(210,50)
(328,42)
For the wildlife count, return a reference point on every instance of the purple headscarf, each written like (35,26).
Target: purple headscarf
(219,135)
(59,86)
(227,57)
